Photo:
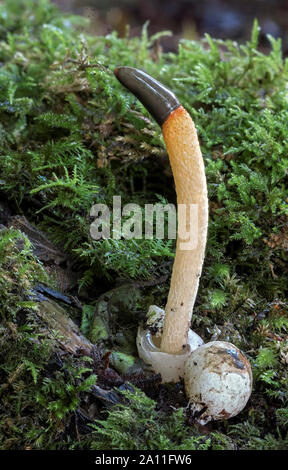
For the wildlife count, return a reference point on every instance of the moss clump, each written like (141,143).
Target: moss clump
(39,390)
(19,272)
(144,428)
(71,137)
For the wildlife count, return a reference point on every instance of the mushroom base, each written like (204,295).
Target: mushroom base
(170,366)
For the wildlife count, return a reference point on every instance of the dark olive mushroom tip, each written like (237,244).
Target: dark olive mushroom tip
(157,98)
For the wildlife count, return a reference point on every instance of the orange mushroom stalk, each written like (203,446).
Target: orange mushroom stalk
(187,165)
(190,182)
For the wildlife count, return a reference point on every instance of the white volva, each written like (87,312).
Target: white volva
(170,366)
(218,381)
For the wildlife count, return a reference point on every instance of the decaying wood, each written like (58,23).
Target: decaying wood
(59,325)
(52,257)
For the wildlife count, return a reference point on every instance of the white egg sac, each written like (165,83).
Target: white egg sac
(218,381)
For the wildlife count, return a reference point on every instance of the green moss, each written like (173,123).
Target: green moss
(20,270)
(99,331)
(137,425)
(122,362)
(71,136)
(35,399)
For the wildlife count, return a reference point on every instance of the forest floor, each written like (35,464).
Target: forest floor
(71,136)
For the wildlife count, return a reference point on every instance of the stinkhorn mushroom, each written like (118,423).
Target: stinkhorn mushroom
(217,376)
(188,170)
